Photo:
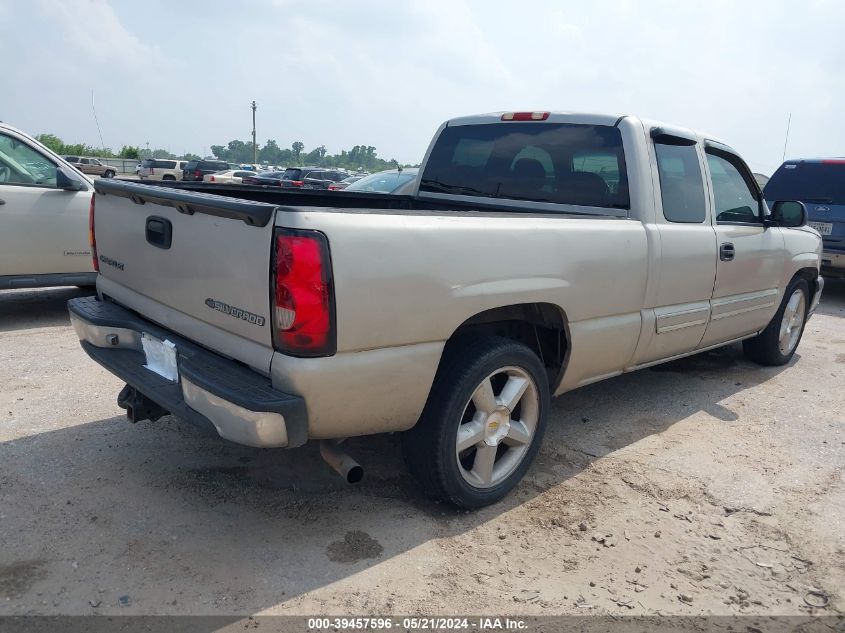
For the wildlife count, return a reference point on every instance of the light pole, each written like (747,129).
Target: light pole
(254,147)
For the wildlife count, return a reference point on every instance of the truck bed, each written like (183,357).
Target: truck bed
(347,201)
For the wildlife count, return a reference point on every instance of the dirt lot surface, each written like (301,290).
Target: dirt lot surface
(709,485)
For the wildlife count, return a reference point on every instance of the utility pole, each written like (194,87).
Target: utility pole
(254,147)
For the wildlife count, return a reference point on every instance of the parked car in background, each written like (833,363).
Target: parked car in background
(231,176)
(44,208)
(761,179)
(311,177)
(196,169)
(537,253)
(393,181)
(267,178)
(343,184)
(91,166)
(820,184)
(138,170)
(162,169)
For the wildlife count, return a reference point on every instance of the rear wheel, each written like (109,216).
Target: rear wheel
(108,174)
(777,343)
(168,177)
(483,422)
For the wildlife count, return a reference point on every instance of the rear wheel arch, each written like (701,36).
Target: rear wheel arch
(542,327)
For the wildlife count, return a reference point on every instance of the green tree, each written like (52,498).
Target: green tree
(130,151)
(297,147)
(51,141)
(220,152)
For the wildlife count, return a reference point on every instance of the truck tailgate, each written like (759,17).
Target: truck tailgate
(205,257)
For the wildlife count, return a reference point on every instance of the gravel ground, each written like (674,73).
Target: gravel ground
(708,485)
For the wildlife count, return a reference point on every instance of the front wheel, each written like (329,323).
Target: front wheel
(483,423)
(777,343)
(108,174)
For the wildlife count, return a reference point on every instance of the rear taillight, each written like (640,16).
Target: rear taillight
(212,179)
(296,183)
(92,238)
(303,294)
(198,174)
(333,187)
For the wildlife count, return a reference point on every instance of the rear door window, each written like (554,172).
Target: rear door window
(536,162)
(681,183)
(166,164)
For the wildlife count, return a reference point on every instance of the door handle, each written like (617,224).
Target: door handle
(726,252)
(159,232)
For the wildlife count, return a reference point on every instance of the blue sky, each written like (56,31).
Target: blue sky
(181,75)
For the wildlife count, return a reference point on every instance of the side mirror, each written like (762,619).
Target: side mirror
(66,181)
(789,213)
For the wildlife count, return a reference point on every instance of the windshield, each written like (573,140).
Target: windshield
(822,182)
(383,182)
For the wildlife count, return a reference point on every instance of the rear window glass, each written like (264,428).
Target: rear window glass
(191,166)
(213,165)
(291,174)
(822,183)
(538,162)
(148,162)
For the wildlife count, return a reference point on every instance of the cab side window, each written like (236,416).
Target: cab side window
(681,184)
(22,165)
(733,197)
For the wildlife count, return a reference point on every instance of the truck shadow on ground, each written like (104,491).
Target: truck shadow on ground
(178,520)
(37,307)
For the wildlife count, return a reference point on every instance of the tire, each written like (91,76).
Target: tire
(777,343)
(498,446)
(168,177)
(108,174)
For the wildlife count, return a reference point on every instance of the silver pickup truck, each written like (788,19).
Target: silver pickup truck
(538,252)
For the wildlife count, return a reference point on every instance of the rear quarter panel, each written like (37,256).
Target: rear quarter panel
(405,282)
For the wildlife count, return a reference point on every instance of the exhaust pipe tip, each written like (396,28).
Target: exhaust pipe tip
(354,474)
(341,462)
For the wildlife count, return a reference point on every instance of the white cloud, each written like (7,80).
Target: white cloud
(387,73)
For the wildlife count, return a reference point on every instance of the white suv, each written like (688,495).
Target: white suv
(162,169)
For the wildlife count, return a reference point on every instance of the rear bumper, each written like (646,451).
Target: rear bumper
(213,392)
(833,263)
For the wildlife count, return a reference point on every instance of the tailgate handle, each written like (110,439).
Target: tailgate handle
(159,232)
